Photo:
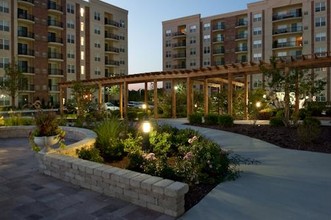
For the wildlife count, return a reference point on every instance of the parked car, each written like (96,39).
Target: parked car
(110,106)
(137,104)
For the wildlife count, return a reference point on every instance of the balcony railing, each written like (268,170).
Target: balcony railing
(112,22)
(287,30)
(242,60)
(296,14)
(112,36)
(241,23)
(54,6)
(55,55)
(241,49)
(179,55)
(219,63)
(27,52)
(112,62)
(53,88)
(55,72)
(181,66)
(25,34)
(55,23)
(180,44)
(218,27)
(26,16)
(112,49)
(29,1)
(219,51)
(27,69)
(241,36)
(287,44)
(27,87)
(218,39)
(55,40)
(178,34)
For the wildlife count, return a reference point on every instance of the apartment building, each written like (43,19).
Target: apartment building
(61,40)
(265,29)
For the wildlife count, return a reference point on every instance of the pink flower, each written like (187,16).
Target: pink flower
(191,140)
(150,156)
(188,156)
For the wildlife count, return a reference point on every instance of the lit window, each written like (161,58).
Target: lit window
(206,26)
(82,70)
(82,55)
(168,33)
(81,26)
(82,12)
(82,41)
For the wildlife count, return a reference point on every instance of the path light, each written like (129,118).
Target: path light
(146,127)
(258,104)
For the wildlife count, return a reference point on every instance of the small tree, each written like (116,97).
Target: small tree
(83,95)
(12,81)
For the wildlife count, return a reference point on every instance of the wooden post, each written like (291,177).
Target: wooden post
(287,97)
(189,96)
(246,96)
(173,96)
(121,100)
(230,93)
(205,97)
(156,116)
(146,95)
(61,100)
(125,100)
(99,96)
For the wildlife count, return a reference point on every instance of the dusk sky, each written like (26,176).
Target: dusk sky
(145,25)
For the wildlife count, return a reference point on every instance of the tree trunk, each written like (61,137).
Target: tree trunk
(287,98)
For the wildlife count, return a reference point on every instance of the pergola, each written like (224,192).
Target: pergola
(227,74)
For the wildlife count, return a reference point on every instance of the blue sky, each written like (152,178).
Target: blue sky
(145,25)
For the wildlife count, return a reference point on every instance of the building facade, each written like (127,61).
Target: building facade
(265,29)
(61,40)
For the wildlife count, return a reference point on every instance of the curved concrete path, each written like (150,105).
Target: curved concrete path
(287,184)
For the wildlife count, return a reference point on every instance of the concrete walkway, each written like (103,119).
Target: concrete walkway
(287,184)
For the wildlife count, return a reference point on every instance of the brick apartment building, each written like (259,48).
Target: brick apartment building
(61,40)
(265,29)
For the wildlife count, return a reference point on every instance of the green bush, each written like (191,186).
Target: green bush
(211,119)
(92,154)
(195,119)
(276,121)
(303,113)
(132,115)
(309,130)
(264,115)
(225,120)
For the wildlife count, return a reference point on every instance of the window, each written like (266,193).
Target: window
(193,51)
(206,37)
(71,54)
(82,55)
(97,44)
(206,26)
(320,21)
(82,70)
(168,65)
(97,71)
(4,7)
(320,36)
(320,51)
(168,43)
(282,54)
(97,58)
(70,8)
(82,41)
(206,50)
(167,85)
(257,17)
(71,38)
(97,30)
(168,54)
(82,26)
(257,44)
(71,24)
(206,62)
(4,44)
(97,16)
(168,33)
(4,61)
(4,25)
(82,12)
(193,28)
(319,6)
(257,57)
(193,63)
(257,31)
(71,68)
(192,40)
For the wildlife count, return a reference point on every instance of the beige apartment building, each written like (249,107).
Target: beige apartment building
(265,29)
(61,40)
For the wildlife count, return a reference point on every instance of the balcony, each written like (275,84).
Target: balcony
(112,50)
(297,29)
(112,63)
(30,2)
(54,7)
(55,23)
(53,88)
(242,60)
(241,36)
(241,23)
(218,51)
(288,15)
(27,69)
(179,44)
(112,36)
(25,34)
(286,44)
(179,34)
(241,49)
(180,66)
(55,72)
(56,40)
(112,23)
(55,55)
(25,52)
(219,63)
(26,17)
(179,56)
(218,27)
(27,87)
(218,39)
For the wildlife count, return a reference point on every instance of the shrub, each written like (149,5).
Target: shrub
(276,121)
(195,119)
(264,115)
(211,119)
(309,130)
(92,154)
(109,134)
(225,120)
(303,113)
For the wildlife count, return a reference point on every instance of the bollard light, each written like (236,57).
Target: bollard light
(146,126)
(258,104)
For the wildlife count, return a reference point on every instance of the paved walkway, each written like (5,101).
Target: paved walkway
(27,194)
(287,184)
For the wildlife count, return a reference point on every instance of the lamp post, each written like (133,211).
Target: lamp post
(146,128)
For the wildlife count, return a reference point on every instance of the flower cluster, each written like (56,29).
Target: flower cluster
(191,140)
(149,156)
(188,156)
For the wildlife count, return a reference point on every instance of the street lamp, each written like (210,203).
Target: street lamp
(146,128)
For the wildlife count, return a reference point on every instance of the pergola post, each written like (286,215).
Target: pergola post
(246,96)
(230,93)
(156,116)
(61,100)
(125,99)
(173,99)
(189,96)
(99,95)
(146,95)
(205,96)
(121,100)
